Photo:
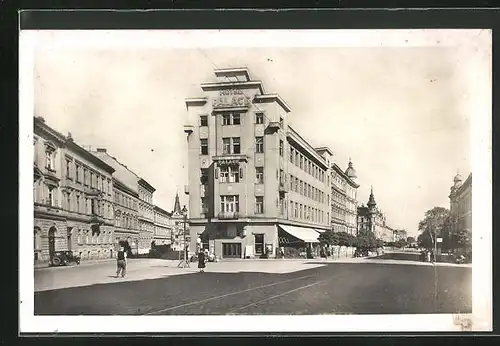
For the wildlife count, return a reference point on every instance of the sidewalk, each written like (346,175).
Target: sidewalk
(45,265)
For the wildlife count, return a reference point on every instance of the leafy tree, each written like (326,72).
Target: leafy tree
(366,240)
(432,226)
(410,240)
(329,238)
(462,239)
(401,243)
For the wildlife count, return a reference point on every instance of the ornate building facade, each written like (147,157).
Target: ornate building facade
(371,218)
(344,199)
(72,190)
(461,204)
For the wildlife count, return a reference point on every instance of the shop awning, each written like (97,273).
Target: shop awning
(319,230)
(308,235)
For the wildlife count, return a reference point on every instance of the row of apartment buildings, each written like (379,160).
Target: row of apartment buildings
(255,185)
(88,202)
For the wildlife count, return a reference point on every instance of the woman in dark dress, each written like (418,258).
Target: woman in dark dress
(201,261)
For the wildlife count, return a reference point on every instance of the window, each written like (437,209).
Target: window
(77,173)
(259,175)
(236,145)
(259,205)
(68,169)
(226,145)
(204,146)
(281,122)
(68,201)
(204,205)
(203,120)
(259,144)
(91,179)
(281,147)
(85,181)
(226,119)
(291,155)
(51,197)
(204,176)
(282,177)
(229,203)
(236,119)
(259,244)
(229,174)
(259,118)
(301,212)
(49,157)
(231,145)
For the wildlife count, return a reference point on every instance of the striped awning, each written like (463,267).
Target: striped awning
(307,235)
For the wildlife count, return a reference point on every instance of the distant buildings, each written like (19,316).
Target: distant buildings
(399,234)
(88,202)
(254,183)
(370,218)
(344,199)
(461,204)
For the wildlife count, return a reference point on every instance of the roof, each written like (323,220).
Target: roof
(163,211)
(68,142)
(144,183)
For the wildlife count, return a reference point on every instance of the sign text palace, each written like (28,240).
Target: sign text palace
(230,98)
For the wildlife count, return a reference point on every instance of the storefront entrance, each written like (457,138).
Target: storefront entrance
(231,250)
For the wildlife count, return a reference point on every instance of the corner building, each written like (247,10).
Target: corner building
(254,183)
(461,204)
(72,190)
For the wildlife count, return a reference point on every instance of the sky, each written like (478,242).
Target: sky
(401,112)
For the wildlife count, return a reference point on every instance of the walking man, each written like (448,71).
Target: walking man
(121,262)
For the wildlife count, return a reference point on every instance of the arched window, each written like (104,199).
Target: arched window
(79,236)
(87,237)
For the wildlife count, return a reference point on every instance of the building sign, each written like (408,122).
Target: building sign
(230,98)
(439,240)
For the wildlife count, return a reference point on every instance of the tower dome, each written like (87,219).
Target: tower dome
(458,178)
(350,171)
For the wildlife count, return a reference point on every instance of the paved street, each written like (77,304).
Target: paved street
(349,286)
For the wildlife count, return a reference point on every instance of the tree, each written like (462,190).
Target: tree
(410,240)
(401,243)
(432,226)
(366,240)
(329,237)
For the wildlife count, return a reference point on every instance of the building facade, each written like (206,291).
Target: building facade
(146,216)
(163,227)
(254,182)
(125,202)
(399,234)
(344,199)
(461,204)
(73,205)
(371,218)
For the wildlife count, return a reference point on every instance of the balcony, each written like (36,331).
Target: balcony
(188,129)
(283,187)
(96,219)
(273,126)
(228,215)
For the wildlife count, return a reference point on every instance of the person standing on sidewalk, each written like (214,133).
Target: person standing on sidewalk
(201,261)
(121,262)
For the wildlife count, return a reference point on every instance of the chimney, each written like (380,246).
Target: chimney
(101,150)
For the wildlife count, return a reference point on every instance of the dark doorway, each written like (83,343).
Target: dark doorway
(259,244)
(231,250)
(52,241)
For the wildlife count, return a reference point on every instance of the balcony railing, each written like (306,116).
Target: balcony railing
(283,187)
(228,215)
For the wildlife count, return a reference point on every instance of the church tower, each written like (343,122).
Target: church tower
(372,210)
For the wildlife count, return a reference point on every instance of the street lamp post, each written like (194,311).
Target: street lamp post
(184,263)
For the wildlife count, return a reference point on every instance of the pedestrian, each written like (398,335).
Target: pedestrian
(201,261)
(121,262)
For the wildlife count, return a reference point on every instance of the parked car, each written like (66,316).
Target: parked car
(64,258)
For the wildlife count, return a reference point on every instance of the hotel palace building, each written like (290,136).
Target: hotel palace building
(254,183)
